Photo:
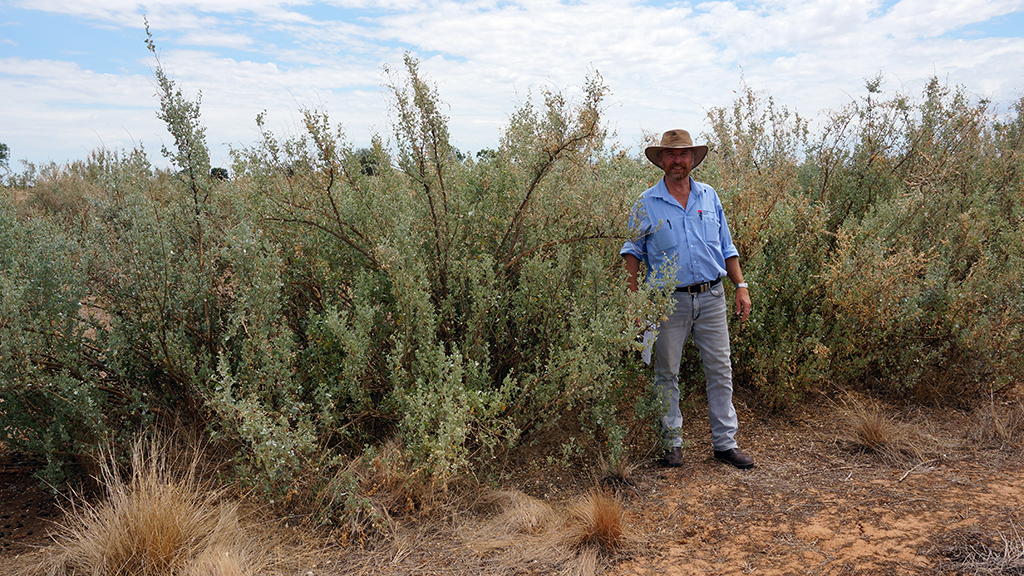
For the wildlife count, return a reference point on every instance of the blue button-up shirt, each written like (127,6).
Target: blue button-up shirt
(696,239)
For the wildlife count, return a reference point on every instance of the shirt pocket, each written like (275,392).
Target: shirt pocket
(712,229)
(662,238)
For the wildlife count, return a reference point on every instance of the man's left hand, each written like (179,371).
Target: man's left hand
(743,305)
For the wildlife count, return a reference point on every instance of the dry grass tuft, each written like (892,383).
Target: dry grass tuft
(155,522)
(364,498)
(618,476)
(566,538)
(999,425)
(868,429)
(519,513)
(873,431)
(597,521)
(981,558)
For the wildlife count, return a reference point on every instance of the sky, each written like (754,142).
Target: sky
(76,76)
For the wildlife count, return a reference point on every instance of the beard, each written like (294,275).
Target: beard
(677,172)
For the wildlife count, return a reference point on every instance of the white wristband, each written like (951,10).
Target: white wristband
(741,285)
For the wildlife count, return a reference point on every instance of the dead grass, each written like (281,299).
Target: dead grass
(572,537)
(999,424)
(869,429)
(617,476)
(364,499)
(597,521)
(980,558)
(156,521)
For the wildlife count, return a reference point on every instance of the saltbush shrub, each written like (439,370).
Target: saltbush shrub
(309,308)
(880,250)
(327,301)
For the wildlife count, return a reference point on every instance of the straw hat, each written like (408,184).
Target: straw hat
(676,139)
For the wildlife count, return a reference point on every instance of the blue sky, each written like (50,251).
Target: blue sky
(76,76)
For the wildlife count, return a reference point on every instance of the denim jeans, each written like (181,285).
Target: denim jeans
(704,316)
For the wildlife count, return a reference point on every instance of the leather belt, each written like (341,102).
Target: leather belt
(698,288)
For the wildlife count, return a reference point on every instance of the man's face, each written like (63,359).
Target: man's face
(677,163)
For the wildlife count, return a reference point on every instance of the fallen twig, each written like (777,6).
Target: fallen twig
(907,473)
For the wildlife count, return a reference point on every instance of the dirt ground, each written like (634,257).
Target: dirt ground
(27,513)
(811,506)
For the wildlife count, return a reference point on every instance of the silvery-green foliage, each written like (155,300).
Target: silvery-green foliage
(48,397)
(877,249)
(466,303)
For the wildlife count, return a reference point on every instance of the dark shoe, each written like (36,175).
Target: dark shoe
(673,457)
(736,457)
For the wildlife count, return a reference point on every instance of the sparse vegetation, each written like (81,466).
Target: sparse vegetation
(980,557)
(570,537)
(999,424)
(869,429)
(157,519)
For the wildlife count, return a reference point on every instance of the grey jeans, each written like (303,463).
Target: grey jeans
(705,317)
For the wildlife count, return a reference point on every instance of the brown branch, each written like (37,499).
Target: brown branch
(516,225)
(337,234)
(552,243)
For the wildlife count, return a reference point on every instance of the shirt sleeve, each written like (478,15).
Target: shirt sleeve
(728,249)
(636,246)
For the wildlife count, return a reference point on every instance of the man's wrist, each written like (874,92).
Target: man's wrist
(741,285)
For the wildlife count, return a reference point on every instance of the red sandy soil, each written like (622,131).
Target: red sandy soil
(809,508)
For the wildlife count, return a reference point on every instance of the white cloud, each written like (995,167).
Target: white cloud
(57,111)
(933,18)
(666,65)
(216,40)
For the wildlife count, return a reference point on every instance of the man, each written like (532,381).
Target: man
(682,230)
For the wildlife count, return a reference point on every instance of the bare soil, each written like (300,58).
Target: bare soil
(27,513)
(811,505)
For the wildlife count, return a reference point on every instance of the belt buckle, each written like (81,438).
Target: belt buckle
(698,288)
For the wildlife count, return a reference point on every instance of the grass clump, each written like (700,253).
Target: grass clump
(598,520)
(870,430)
(567,537)
(362,503)
(999,424)
(155,521)
(979,556)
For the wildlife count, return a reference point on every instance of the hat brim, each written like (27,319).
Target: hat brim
(699,153)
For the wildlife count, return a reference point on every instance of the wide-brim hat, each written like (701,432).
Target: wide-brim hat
(676,139)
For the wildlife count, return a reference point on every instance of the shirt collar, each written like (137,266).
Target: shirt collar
(661,190)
